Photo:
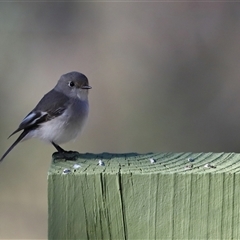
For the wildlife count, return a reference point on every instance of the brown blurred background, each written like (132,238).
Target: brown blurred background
(165,78)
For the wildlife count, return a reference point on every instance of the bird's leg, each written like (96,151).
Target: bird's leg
(62,154)
(59,149)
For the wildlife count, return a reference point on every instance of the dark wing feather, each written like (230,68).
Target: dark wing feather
(53,102)
(52,105)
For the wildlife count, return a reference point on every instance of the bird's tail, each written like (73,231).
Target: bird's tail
(23,134)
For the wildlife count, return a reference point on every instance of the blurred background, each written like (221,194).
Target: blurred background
(165,78)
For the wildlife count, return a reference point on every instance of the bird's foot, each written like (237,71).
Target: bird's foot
(65,156)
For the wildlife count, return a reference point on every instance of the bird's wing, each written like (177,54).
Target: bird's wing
(52,105)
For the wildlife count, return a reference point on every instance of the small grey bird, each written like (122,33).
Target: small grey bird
(59,116)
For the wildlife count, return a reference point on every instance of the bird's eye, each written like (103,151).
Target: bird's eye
(71,84)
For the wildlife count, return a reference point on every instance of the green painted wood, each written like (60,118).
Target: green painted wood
(180,196)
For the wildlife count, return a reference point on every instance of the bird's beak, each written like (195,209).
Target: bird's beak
(86,87)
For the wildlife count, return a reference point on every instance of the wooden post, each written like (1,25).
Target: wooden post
(145,196)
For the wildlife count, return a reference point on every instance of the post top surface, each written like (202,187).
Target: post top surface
(150,163)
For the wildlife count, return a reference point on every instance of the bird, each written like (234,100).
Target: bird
(60,115)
